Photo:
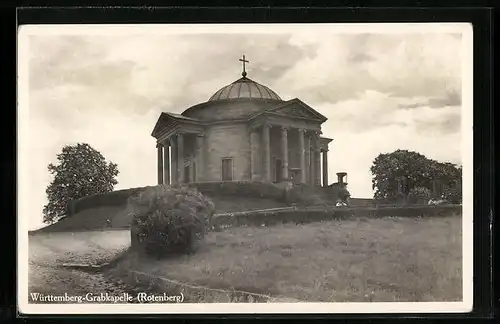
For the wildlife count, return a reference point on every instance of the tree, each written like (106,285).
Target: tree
(411,170)
(419,195)
(453,193)
(81,171)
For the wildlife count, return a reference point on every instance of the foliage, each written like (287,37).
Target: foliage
(303,194)
(304,215)
(81,171)
(306,195)
(167,219)
(343,194)
(257,189)
(419,195)
(453,193)
(414,170)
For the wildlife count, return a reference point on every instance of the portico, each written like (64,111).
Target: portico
(179,149)
(288,141)
(287,154)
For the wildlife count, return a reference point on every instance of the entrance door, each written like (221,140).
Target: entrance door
(187,174)
(195,178)
(227,169)
(278,167)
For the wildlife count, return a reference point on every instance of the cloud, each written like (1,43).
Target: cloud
(374,110)
(408,65)
(374,123)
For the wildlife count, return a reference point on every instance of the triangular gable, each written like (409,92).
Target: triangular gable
(163,121)
(298,108)
(169,119)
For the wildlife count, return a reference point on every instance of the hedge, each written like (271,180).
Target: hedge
(113,198)
(257,189)
(307,215)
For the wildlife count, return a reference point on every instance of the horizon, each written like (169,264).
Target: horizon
(379,92)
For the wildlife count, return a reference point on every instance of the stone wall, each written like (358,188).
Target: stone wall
(317,214)
(361,202)
(231,109)
(227,141)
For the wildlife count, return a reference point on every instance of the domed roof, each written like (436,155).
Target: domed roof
(244,88)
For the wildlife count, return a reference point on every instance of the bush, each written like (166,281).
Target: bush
(398,199)
(305,195)
(255,189)
(453,194)
(419,195)
(169,220)
(336,193)
(312,214)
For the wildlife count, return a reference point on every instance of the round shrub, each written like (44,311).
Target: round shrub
(168,220)
(303,194)
(342,194)
(419,195)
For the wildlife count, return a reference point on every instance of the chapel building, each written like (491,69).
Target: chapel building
(244,132)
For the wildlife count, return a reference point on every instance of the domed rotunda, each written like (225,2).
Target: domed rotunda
(243,132)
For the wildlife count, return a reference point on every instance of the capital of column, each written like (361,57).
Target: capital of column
(266,125)
(158,145)
(285,129)
(166,142)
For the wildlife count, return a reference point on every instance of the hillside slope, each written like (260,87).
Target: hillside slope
(95,218)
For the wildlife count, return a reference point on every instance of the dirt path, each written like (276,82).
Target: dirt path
(48,280)
(49,251)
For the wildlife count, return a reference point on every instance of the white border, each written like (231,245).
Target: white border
(222,308)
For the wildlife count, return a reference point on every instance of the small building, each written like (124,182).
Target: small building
(245,131)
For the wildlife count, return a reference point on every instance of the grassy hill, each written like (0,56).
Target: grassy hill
(397,259)
(92,212)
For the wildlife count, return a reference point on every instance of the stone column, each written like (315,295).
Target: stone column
(317,160)
(325,168)
(200,157)
(180,157)
(284,148)
(166,162)
(309,160)
(175,171)
(160,163)
(302,151)
(253,152)
(192,166)
(266,143)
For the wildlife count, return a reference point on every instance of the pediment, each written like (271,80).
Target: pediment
(297,108)
(169,120)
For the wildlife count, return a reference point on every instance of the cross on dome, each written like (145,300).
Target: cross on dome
(244,73)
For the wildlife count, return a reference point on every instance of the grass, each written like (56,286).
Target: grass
(382,260)
(95,218)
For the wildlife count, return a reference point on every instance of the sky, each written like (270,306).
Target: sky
(380,92)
